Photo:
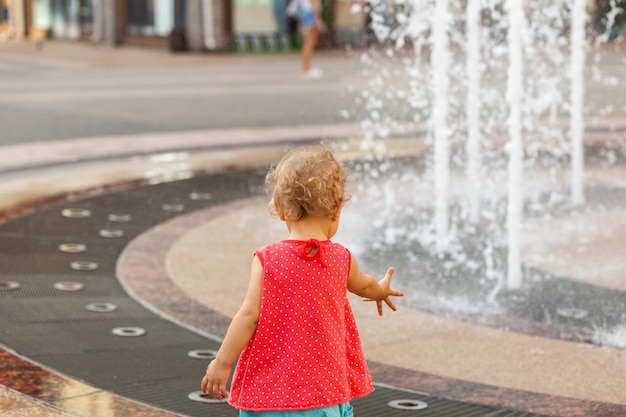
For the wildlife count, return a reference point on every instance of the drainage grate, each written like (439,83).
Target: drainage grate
(205,354)
(393,402)
(200,196)
(72,247)
(128,331)
(408,404)
(204,398)
(55,263)
(84,265)
(120,218)
(69,309)
(111,233)
(75,213)
(101,307)
(69,286)
(9,285)
(38,286)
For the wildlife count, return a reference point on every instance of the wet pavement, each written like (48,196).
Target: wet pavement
(153,221)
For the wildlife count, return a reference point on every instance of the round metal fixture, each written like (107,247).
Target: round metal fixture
(128,331)
(75,213)
(111,233)
(84,265)
(173,208)
(204,398)
(407,404)
(72,247)
(69,286)
(120,217)
(101,307)
(9,285)
(200,196)
(202,354)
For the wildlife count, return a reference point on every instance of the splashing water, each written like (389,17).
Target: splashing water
(494,123)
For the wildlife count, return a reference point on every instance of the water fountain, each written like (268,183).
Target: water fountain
(500,131)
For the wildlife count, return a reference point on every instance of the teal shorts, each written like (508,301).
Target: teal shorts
(339,410)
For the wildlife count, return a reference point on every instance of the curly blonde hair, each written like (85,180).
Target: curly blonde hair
(307,181)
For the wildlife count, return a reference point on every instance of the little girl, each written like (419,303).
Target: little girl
(300,352)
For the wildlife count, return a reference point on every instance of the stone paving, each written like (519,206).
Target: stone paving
(412,348)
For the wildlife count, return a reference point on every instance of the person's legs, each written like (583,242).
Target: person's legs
(280,14)
(311,35)
(310,32)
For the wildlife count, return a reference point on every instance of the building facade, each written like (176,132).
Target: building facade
(201,25)
(185,24)
(194,25)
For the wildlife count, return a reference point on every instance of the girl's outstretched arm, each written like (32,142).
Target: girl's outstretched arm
(367,287)
(239,333)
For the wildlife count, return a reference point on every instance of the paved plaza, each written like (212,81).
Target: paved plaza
(137,175)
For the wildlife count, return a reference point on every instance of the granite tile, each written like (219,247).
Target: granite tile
(14,404)
(20,375)
(491,395)
(41,392)
(104,404)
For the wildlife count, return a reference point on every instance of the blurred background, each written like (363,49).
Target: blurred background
(181,25)
(214,25)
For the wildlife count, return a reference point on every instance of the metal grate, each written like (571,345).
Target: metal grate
(50,310)
(38,286)
(377,405)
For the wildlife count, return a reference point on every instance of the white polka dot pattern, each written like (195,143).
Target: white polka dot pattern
(306,352)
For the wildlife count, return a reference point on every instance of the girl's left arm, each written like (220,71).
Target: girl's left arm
(239,333)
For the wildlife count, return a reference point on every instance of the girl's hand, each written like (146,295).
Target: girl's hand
(385,283)
(214,381)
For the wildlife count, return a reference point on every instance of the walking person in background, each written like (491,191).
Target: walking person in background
(309,13)
(298,345)
(280,16)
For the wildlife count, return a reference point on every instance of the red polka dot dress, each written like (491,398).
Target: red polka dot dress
(306,352)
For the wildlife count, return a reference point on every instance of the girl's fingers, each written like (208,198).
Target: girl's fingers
(390,304)
(389,273)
